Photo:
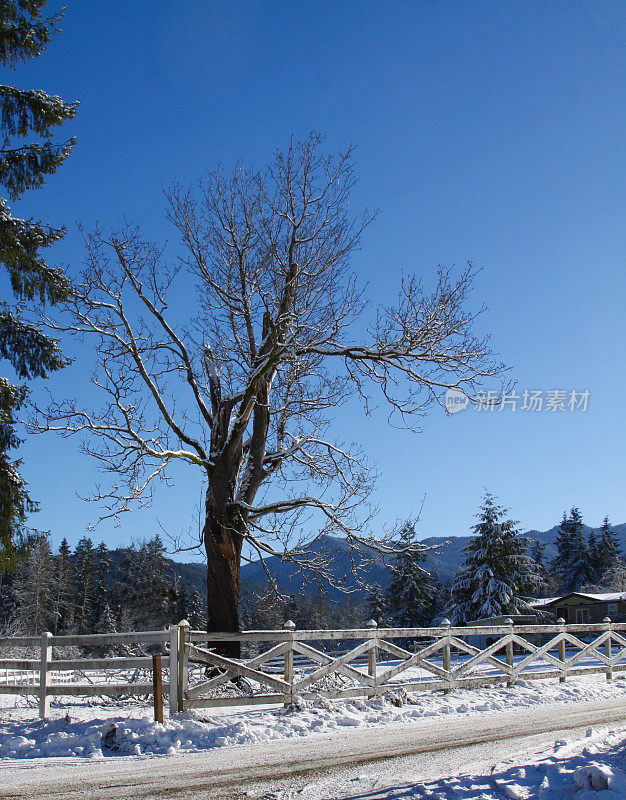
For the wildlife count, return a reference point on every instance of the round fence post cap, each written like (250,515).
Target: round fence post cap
(560,621)
(371,623)
(290,625)
(445,623)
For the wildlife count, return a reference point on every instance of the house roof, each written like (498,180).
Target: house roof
(608,597)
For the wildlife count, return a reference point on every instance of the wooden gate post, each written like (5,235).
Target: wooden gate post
(510,681)
(289,626)
(607,648)
(157,688)
(561,622)
(46,658)
(183,662)
(174,709)
(372,653)
(447,660)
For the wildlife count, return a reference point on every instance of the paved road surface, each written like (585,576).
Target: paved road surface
(440,747)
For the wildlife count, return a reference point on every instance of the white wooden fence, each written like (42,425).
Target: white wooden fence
(45,676)
(375,662)
(363,662)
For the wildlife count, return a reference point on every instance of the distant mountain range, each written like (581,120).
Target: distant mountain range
(445,561)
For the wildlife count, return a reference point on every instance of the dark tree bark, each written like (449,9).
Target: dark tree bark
(223,543)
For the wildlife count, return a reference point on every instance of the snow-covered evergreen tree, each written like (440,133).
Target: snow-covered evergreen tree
(105,624)
(377,606)
(100,595)
(182,604)
(410,594)
(26,115)
(64,586)
(84,559)
(195,614)
(541,572)
(497,576)
(593,550)
(572,564)
(609,550)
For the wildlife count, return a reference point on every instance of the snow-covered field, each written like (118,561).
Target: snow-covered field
(99,731)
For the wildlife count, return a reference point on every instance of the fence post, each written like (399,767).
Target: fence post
(372,653)
(510,681)
(157,687)
(289,626)
(183,663)
(46,658)
(607,648)
(173,670)
(445,623)
(561,622)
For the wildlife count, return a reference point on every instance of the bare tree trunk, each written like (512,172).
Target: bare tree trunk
(223,542)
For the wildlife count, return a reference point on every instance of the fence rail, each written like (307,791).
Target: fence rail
(46,676)
(277,665)
(366,662)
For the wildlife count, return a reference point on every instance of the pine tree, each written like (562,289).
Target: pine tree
(182,604)
(560,564)
(106,621)
(609,556)
(538,560)
(409,596)
(105,624)
(84,584)
(594,555)
(100,594)
(24,33)
(377,606)
(64,585)
(497,575)
(159,583)
(572,564)
(196,617)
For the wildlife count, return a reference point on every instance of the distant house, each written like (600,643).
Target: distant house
(580,608)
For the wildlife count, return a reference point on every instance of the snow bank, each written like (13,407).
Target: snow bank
(93,732)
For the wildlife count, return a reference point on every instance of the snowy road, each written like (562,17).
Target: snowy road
(436,748)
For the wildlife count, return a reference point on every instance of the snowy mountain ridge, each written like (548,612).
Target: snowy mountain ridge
(445,561)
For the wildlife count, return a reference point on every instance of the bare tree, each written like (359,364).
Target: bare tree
(279,336)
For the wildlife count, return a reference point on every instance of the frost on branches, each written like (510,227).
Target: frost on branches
(497,575)
(242,389)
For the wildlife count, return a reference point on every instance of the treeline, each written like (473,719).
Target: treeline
(262,610)
(501,574)
(81,591)
(585,562)
(93,590)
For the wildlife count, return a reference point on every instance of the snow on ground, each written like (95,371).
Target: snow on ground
(591,768)
(115,729)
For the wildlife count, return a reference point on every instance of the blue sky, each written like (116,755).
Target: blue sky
(485,131)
